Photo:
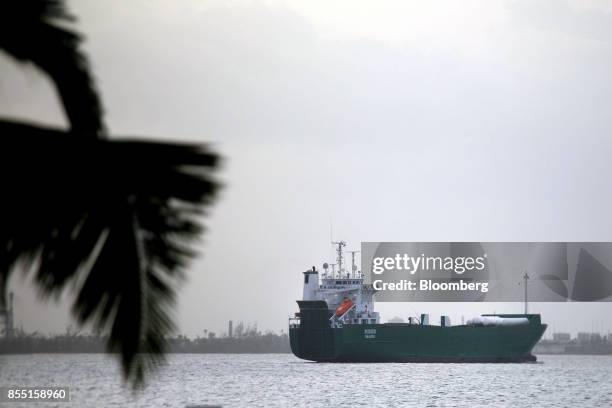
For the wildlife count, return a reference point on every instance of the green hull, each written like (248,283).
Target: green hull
(313,339)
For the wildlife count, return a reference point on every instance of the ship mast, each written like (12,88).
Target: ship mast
(353,264)
(340,257)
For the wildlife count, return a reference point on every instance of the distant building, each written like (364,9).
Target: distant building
(583,337)
(230,329)
(596,338)
(562,337)
(7,318)
(396,320)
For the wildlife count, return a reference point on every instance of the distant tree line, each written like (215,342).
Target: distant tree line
(245,339)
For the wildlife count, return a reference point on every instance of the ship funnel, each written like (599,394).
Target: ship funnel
(311,284)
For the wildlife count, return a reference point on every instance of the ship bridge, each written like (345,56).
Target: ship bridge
(347,297)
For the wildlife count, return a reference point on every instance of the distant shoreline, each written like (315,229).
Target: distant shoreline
(169,352)
(253,343)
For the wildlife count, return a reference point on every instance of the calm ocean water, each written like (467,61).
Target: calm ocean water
(280,380)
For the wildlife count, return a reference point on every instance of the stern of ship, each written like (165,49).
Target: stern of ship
(310,333)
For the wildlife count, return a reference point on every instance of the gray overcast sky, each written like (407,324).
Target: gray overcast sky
(397,121)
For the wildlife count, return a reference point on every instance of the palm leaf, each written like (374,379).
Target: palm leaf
(29,32)
(116,217)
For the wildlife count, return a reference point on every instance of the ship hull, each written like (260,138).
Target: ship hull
(313,339)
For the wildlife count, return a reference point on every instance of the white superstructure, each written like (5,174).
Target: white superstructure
(337,286)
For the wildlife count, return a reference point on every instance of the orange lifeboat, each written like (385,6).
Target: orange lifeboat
(344,307)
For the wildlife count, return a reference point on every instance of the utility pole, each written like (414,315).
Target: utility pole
(526,278)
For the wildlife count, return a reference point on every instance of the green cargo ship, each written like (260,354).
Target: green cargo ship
(337,323)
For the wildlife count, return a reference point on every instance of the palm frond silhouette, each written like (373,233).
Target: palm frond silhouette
(115,218)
